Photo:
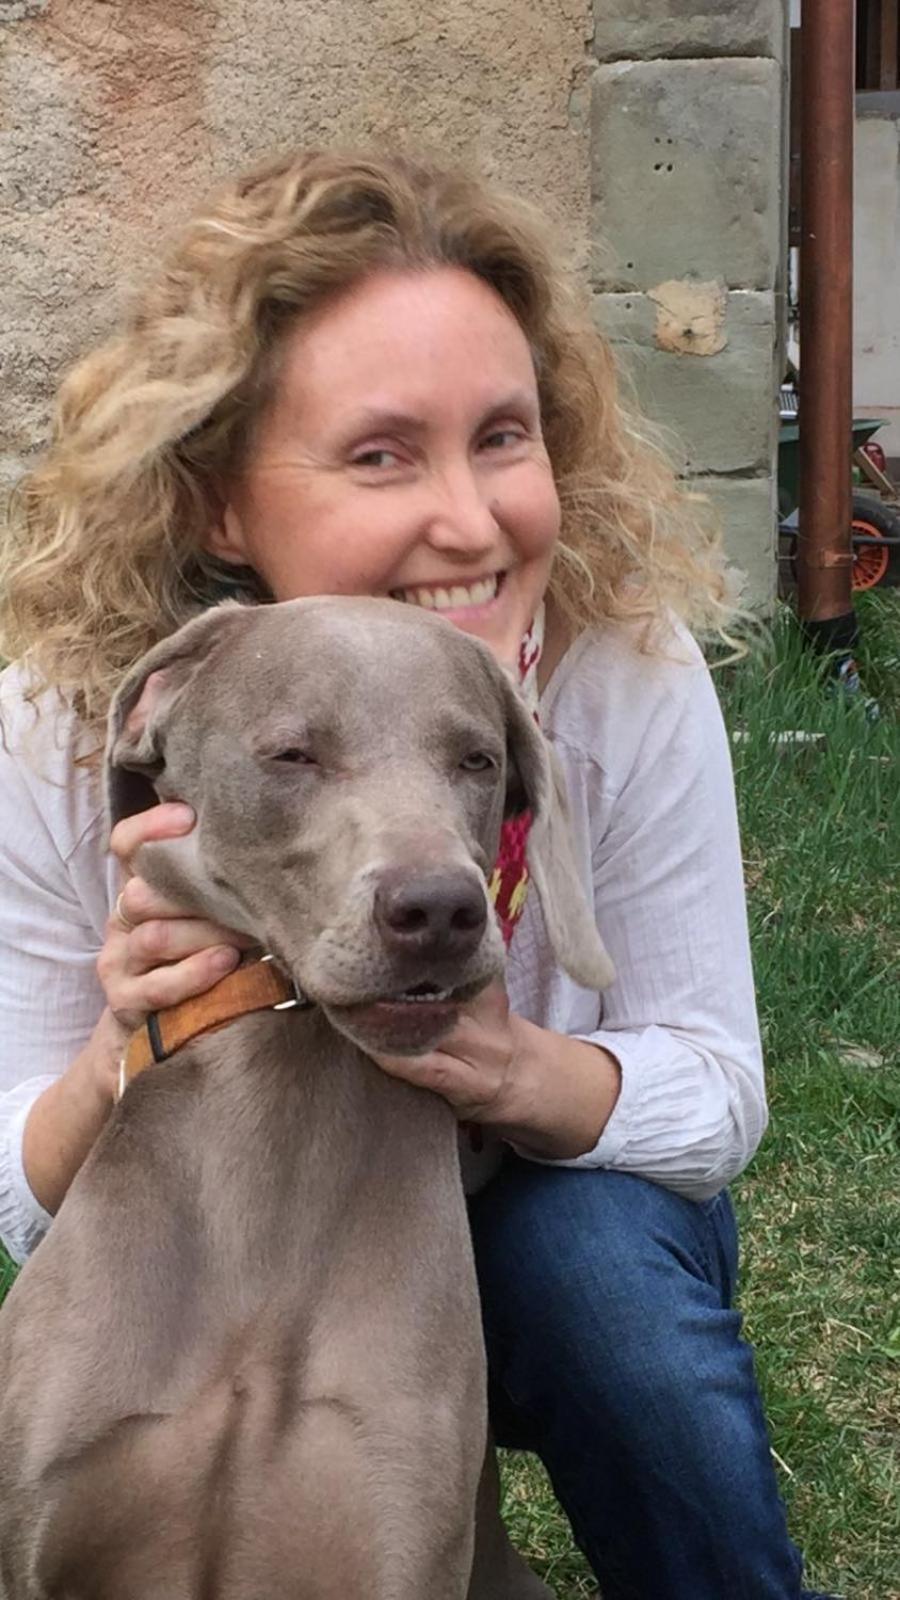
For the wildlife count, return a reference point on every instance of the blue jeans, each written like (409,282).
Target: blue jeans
(615,1355)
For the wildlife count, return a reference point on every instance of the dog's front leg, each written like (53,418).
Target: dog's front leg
(498,1571)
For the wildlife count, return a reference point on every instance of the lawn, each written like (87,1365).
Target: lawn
(820,1206)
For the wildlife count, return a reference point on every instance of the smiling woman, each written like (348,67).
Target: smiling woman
(368,376)
(154,429)
(401,454)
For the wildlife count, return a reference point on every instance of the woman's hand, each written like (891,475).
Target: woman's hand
(154,955)
(544,1092)
(474,1065)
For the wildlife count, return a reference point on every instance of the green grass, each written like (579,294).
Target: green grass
(820,1206)
(7,1272)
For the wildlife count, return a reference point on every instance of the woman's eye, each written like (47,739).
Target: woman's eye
(501,437)
(478,761)
(376,458)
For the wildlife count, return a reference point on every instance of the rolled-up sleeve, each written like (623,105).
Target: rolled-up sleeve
(23,1220)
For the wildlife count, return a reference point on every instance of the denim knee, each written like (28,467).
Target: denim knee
(613,1351)
(551,1234)
(606,1286)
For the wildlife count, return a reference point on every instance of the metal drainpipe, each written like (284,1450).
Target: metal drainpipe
(824,600)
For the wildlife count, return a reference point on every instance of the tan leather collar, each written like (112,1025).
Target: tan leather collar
(258,986)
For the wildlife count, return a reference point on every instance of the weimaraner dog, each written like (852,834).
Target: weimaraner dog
(246,1363)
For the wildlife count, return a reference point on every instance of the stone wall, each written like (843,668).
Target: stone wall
(117,115)
(687,157)
(656,128)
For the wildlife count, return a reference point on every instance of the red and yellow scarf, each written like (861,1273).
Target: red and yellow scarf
(508,886)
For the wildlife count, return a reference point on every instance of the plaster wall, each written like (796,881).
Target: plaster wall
(876,274)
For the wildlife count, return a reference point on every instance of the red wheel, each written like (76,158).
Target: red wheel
(870,563)
(877,561)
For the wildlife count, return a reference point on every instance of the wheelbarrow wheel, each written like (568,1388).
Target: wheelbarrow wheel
(879,563)
(875,542)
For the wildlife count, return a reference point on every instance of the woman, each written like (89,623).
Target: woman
(363,376)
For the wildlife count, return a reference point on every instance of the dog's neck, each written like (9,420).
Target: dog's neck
(279,1120)
(285,1091)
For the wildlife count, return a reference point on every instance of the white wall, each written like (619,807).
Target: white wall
(876,265)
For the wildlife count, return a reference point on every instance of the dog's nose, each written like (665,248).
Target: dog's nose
(430,913)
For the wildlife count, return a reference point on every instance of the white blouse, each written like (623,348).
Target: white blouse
(646,760)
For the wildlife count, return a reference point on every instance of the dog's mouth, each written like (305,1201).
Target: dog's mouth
(421,994)
(409,1022)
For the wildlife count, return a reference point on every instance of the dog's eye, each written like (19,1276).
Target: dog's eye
(295,757)
(477,761)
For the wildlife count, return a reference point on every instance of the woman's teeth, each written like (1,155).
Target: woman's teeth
(457,598)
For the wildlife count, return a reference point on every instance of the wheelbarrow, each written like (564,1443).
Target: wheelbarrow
(874,524)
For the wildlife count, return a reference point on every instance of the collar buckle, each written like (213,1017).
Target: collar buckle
(297,1000)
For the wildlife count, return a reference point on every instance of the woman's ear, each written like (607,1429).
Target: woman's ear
(535,782)
(225,535)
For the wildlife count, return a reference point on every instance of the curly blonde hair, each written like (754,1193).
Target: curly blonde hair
(105,550)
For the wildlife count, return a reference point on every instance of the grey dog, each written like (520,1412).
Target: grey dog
(246,1363)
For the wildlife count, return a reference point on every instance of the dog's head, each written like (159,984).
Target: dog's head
(350,763)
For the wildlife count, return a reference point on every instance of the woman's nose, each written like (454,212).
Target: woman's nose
(461,515)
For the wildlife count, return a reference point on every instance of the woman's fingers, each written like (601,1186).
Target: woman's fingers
(131,998)
(154,955)
(162,940)
(130,953)
(138,904)
(162,962)
(166,821)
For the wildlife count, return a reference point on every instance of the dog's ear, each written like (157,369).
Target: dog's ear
(139,713)
(535,783)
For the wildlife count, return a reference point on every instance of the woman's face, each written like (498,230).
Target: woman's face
(402,455)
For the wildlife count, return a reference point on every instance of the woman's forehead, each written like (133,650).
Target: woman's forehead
(399,338)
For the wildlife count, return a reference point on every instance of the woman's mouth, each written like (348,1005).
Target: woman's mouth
(452,597)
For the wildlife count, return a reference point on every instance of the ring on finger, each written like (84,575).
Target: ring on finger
(120,916)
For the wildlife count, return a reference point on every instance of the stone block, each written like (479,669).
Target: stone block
(720,404)
(645,29)
(686,170)
(746,508)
